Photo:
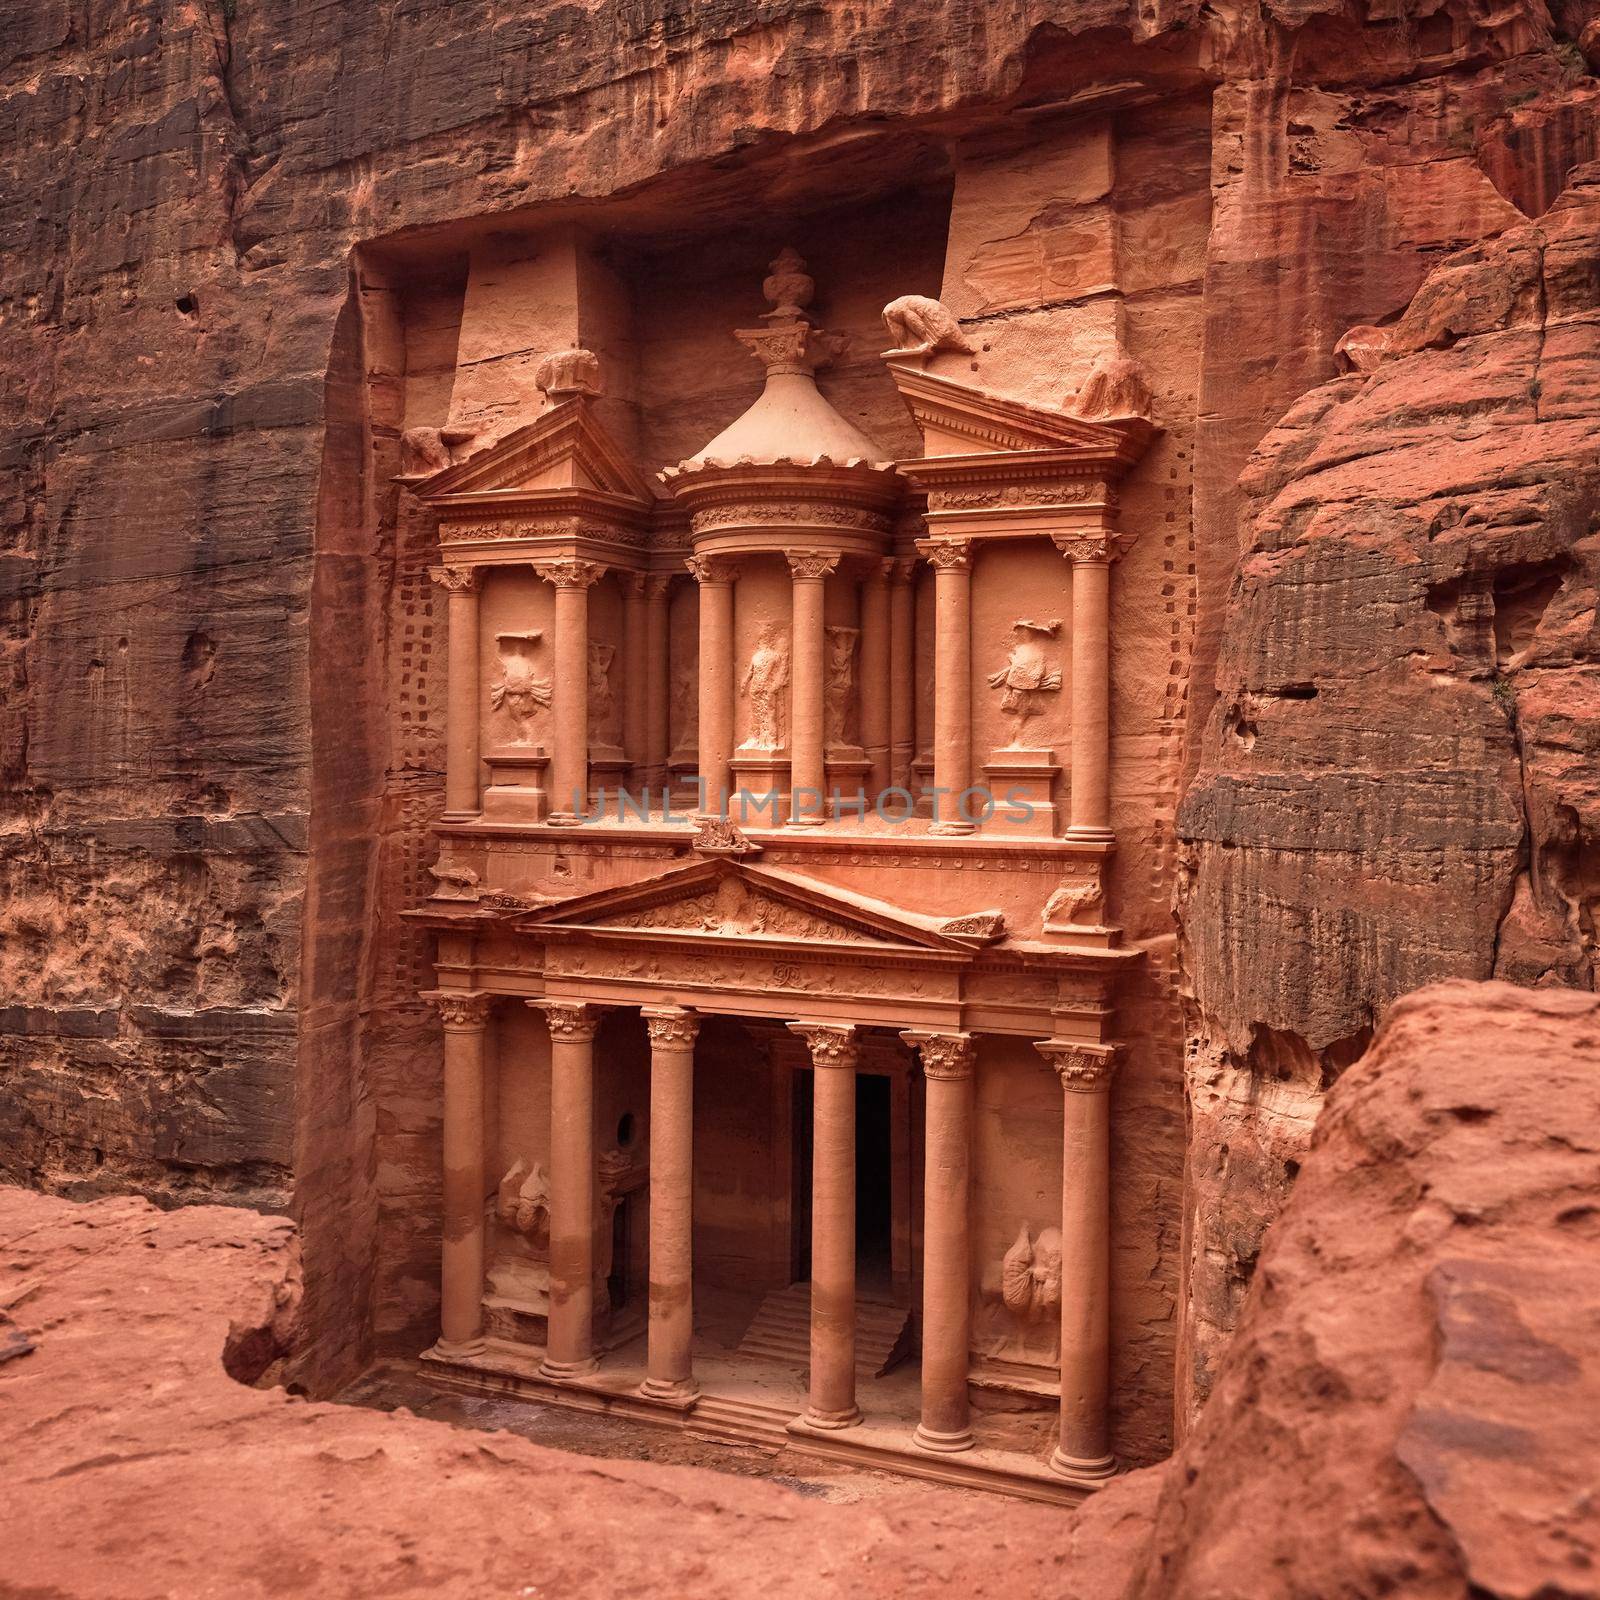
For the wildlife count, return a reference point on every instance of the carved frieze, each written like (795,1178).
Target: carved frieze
(544,528)
(733,907)
(766,513)
(1046,492)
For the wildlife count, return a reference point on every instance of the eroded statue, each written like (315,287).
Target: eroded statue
(604,711)
(922,327)
(569,372)
(1027,675)
(840,720)
(1114,391)
(765,685)
(519,692)
(1021,1317)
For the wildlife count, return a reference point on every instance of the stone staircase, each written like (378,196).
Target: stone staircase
(781,1331)
(732,1420)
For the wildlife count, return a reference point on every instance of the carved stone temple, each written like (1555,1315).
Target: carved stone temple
(774,911)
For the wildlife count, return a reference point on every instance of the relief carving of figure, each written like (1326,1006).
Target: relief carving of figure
(1027,676)
(520,1268)
(517,691)
(568,372)
(922,327)
(1114,391)
(603,708)
(685,710)
(840,718)
(766,686)
(1022,1322)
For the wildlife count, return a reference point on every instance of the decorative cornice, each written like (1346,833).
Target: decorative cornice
(458,580)
(830,1044)
(567,572)
(811,565)
(671,1025)
(1082,1068)
(461,1011)
(947,554)
(571,1022)
(944,1055)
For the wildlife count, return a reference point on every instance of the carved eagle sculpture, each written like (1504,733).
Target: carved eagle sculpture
(1030,1275)
(921,327)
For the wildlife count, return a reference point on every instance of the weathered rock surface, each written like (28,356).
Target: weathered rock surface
(1398,782)
(137,1467)
(1407,1406)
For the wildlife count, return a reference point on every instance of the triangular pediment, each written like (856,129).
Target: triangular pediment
(958,420)
(722,898)
(565,449)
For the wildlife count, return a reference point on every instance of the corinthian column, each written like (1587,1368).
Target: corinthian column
(1085,1070)
(946,1240)
(807,674)
(569,760)
(952,679)
(569,1348)
(461,796)
(635,665)
(658,682)
(670,1337)
(876,689)
(1091,555)
(465,1018)
(902,678)
(832,1399)
(715,578)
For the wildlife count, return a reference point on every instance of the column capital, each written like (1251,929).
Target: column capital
(568,572)
(671,1025)
(712,569)
(1082,1068)
(571,1021)
(944,1055)
(831,1044)
(899,570)
(461,1010)
(947,554)
(655,584)
(1090,547)
(811,564)
(457,580)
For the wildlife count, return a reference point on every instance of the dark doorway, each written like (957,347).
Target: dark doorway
(874,1168)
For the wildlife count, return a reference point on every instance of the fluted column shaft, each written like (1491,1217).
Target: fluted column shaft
(832,1398)
(465,1018)
(947,1064)
(716,678)
(952,680)
(807,772)
(1091,556)
(1085,1070)
(462,797)
(670,1336)
(875,688)
(569,1349)
(569,760)
(902,675)
(658,682)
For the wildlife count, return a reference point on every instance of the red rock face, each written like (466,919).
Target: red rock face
(211,823)
(1397,784)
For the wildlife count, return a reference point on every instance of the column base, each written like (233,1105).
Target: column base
(1085,834)
(460,816)
(807,821)
(1094,1469)
(953,830)
(457,1349)
(831,1419)
(944,1443)
(564,819)
(566,1371)
(679,1391)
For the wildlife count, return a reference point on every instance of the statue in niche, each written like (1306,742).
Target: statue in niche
(920,327)
(1021,1315)
(1027,675)
(840,719)
(517,692)
(520,1269)
(765,685)
(603,708)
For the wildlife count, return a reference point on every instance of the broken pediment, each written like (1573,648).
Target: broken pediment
(567,449)
(724,897)
(956,419)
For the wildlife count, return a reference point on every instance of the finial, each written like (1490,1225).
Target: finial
(788,287)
